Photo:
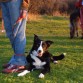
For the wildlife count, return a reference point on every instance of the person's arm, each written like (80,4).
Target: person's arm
(25,4)
(78,4)
(24,10)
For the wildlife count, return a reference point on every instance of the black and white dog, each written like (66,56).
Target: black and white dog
(40,58)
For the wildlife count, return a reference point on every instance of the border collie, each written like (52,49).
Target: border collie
(74,20)
(40,58)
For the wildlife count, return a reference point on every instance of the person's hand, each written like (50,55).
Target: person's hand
(23,15)
(78,4)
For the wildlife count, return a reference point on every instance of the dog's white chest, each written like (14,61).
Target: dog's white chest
(38,63)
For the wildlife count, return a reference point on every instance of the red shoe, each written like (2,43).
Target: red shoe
(6,65)
(13,68)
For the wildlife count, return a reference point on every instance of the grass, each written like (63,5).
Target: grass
(69,70)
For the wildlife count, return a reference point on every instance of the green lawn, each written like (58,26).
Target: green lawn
(69,70)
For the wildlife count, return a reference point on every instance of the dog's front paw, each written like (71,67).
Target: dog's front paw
(41,75)
(23,73)
(55,62)
(64,54)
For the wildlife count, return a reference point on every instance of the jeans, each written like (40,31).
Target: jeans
(16,34)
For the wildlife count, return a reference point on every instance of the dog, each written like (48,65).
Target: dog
(40,58)
(74,20)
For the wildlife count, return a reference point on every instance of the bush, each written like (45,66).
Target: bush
(50,6)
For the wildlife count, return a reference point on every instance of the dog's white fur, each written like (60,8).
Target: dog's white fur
(35,53)
(39,65)
(26,71)
(41,75)
(23,73)
(40,48)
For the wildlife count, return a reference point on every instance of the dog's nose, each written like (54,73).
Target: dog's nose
(39,51)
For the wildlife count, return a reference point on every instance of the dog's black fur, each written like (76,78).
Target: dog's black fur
(45,58)
(74,19)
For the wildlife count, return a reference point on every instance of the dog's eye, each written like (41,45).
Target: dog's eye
(43,45)
(36,45)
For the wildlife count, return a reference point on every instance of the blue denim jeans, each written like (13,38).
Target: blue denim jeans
(16,34)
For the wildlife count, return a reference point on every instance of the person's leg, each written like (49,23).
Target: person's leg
(72,30)
(19,40)
(7,23)
(81,19)
(17,36)
(76,28)
(2,26)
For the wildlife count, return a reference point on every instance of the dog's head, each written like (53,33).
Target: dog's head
(40,46)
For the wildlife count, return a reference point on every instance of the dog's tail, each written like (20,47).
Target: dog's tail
(60,57)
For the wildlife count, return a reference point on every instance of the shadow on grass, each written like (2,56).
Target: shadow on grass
(54,18)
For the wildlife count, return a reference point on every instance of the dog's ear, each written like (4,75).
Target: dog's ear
(49,42)
(35,37)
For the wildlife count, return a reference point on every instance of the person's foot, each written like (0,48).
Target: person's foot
(71,37)
(13,68)
(82,37)
(5,65)
(55,62)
